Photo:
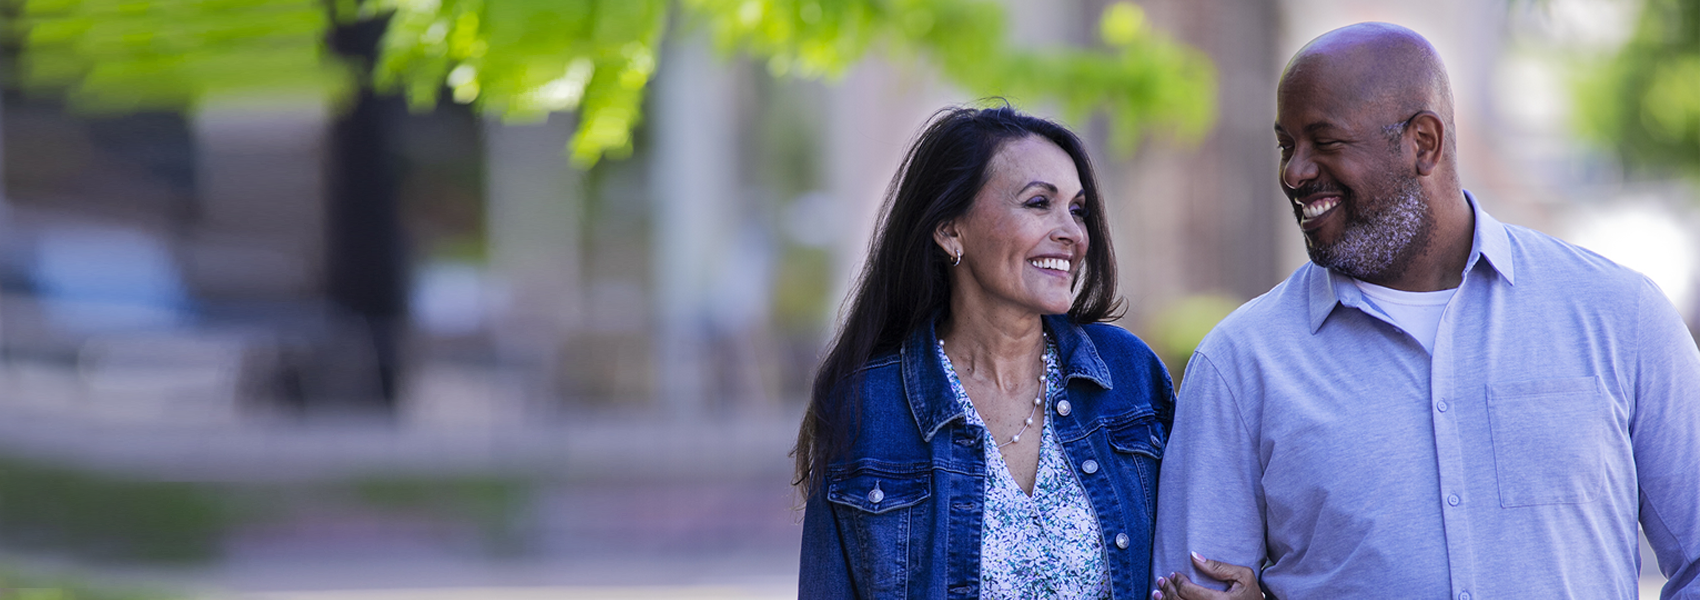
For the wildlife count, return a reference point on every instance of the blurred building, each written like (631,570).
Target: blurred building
(702,274)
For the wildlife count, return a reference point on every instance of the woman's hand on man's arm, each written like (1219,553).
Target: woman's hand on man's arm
(1242,583)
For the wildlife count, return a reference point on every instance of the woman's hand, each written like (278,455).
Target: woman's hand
(1242,583)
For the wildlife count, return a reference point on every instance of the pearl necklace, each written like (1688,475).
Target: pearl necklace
(1032,412)
(1037,400)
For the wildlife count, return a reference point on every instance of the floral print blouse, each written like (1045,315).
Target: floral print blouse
(1044,545)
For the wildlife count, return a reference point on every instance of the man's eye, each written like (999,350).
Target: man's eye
(1328,144)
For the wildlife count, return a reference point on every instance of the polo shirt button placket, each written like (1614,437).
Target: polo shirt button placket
(1453,500)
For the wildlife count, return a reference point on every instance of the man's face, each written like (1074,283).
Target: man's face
(1355,195)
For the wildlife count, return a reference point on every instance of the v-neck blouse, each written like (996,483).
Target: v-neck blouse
(1044,545)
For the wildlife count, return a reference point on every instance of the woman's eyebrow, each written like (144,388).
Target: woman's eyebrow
(1039,183)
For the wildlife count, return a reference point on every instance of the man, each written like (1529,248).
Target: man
(1438,405)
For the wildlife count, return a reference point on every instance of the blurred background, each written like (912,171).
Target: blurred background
(444,299)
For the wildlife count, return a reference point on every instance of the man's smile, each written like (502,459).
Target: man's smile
(1316,209)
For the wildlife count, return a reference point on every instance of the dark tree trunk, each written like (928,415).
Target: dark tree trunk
(367,252)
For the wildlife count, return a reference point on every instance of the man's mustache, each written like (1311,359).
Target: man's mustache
(1314,188)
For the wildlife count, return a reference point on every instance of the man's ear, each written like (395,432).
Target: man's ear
(1429,133)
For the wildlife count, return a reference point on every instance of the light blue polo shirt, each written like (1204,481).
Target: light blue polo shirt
(1560,406)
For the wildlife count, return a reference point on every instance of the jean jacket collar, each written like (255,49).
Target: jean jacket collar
(928,392)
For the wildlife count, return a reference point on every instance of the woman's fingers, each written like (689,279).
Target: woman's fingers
(1165,589)
(1222,571)
(1242,581)
(1185,589)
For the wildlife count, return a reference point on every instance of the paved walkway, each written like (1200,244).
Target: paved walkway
(620,505)
(562,593)
(459,420)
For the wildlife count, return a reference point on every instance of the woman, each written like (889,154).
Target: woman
(975,429)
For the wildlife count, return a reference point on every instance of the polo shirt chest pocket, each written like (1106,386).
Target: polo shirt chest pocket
(881,511)
(1550,440)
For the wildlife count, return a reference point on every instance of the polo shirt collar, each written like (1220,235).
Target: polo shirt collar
(1492,242)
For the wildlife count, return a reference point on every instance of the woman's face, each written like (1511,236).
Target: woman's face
(1024,238)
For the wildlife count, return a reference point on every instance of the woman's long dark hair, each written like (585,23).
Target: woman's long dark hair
(906,279)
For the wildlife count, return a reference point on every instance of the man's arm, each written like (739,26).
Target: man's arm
(1208,497)
(1665,431)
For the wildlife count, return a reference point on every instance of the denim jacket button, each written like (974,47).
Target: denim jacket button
(1063,408)
(1121,541)
(876,495)
(1090,466)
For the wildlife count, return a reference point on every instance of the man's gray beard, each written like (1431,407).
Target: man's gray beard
(1378,247)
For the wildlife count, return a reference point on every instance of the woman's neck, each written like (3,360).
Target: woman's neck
(1001,349)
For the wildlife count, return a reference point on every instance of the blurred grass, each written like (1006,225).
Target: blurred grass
(110,517)
(489,503)
(16,584)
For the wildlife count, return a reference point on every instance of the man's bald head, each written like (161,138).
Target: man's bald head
(1387,70)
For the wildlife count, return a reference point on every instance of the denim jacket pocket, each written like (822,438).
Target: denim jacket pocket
(1549,439)
(878,507)
(1140,436)
(878,489)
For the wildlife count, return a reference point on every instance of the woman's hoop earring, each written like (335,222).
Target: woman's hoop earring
(958,260)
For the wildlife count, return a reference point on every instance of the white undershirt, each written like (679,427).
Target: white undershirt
(1418,313)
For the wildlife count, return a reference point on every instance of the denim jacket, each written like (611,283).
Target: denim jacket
(899,514)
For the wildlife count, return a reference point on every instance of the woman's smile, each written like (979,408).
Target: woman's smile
(1051,264)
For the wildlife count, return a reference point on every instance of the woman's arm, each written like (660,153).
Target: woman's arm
(824,572)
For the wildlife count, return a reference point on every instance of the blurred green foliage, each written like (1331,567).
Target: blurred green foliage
(1645,100)
(800,305)
(1175,330)
(115,56)
(521,59)
(1138,77)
